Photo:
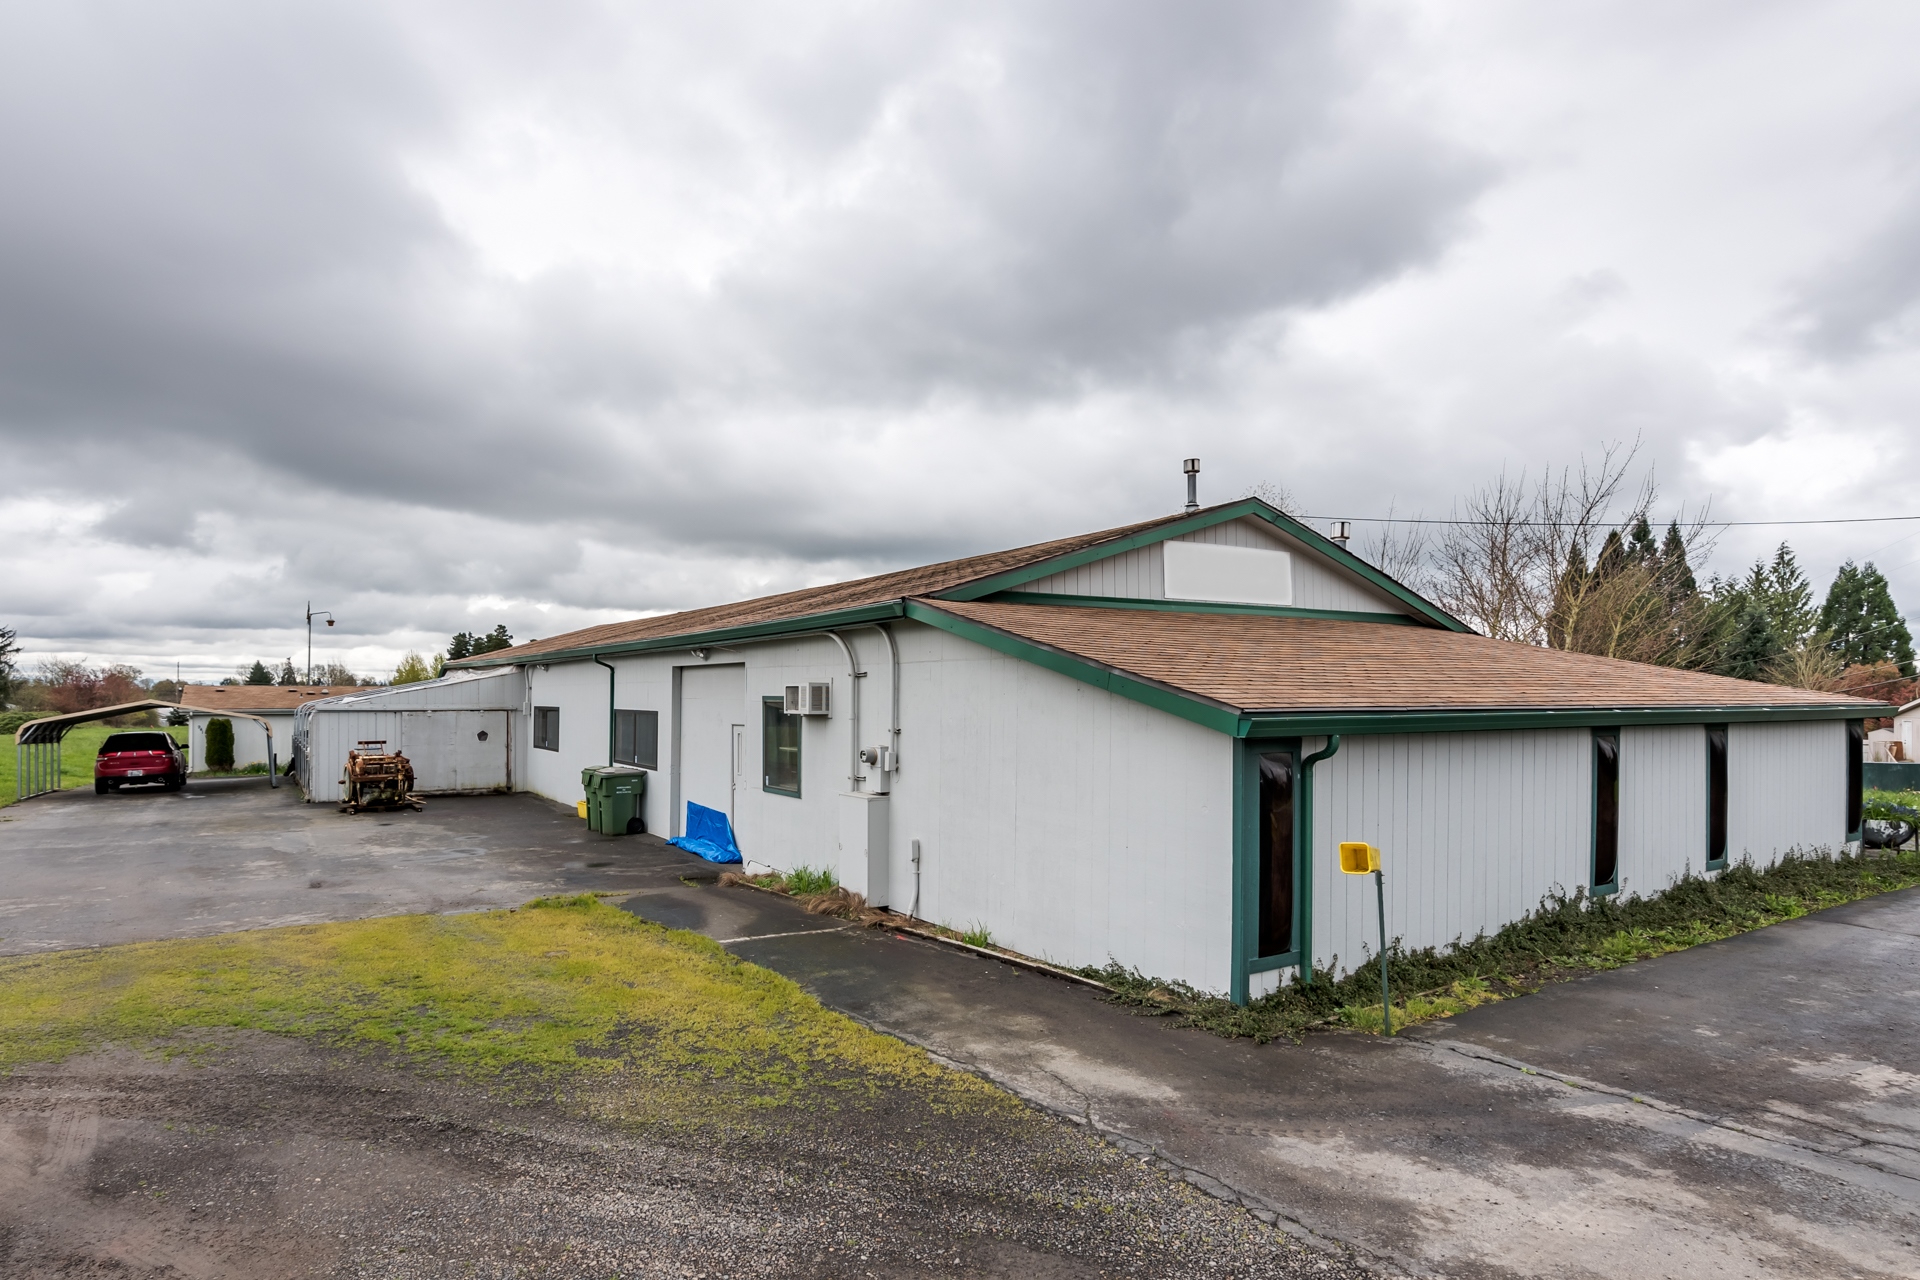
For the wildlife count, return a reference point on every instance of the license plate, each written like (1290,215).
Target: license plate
(136,773)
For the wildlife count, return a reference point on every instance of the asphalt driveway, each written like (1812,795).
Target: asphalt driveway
(1748,1108)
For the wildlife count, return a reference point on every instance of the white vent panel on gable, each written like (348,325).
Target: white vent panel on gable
(1227,575)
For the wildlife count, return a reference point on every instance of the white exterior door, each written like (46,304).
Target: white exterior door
(712,702)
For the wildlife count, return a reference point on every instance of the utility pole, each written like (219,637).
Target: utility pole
(312,613)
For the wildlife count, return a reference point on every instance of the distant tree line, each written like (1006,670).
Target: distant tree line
(1568,562)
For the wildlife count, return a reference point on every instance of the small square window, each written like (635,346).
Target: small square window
(546,728)
(636,738)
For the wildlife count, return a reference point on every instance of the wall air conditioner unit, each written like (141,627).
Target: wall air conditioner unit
(809,699)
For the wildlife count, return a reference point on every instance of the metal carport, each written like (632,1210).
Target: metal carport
(36,745)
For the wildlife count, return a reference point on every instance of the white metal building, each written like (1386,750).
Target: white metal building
(1145,743)
(462,733)
(273,703)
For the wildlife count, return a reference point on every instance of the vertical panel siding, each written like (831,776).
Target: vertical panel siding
(1663,806)
(1138,574)
(1474,830)
(1786,789)
(1072,823)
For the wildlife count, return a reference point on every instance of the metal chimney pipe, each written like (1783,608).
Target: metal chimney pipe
(1193,484)
(1339,531)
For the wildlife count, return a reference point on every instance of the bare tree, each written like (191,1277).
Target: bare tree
(1276,496)
(1399,551)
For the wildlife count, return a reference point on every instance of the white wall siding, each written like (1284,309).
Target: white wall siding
(579,689)
(1139,574)
(249,738)
(1786,789)
(1663,806)
(1474,830)
(1073,823)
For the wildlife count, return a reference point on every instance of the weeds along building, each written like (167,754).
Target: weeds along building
(1145,743)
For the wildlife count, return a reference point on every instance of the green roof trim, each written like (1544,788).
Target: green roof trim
(1198,606)
(1423,609)
(1285,724)
(860,616)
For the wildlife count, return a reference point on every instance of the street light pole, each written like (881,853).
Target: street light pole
(313,613)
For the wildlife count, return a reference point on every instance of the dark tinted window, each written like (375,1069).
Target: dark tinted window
(546,728)
(1856,757)
(636,738)
(137,742)
(1276,852)
(779,748)
(1606,808)
(1716,793)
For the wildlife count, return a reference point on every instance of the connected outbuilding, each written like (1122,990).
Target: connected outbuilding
(1146,743)
(461,733)
(261,716)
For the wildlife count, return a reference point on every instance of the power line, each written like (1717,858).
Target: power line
(1572,524)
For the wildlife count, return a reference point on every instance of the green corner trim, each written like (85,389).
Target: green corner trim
(1198,606)
(1424,609)
(1162,697)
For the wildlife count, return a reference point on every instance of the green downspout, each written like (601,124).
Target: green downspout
(612,720)
(1306,855)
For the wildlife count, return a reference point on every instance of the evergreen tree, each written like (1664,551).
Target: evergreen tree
(1782,592)
(287,674)
(1678,573)
(1862,624)
(460,647)
(7,649)
(259,674)
(1750,647)
(495,640)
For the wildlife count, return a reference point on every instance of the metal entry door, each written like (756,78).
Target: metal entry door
(711,701)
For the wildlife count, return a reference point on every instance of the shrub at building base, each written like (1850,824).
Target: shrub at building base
(1565,938)
(219,746)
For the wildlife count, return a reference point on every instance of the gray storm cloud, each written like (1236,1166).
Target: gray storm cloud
(460,313)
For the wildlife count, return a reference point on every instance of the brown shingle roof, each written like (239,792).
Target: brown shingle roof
(259,697)
(1256,663)
(925,580)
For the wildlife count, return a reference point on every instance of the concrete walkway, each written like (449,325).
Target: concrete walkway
(1748,1108)
(1741,1109)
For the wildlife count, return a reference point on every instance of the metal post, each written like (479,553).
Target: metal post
(1386,999)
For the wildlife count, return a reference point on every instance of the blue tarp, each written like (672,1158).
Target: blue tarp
(709,835)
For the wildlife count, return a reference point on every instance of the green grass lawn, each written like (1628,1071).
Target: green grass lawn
(636,1020)
(76,757)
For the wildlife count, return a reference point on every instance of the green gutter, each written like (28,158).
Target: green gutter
(1289,724)
(697,639)
(1015,578)
(1304,890)
(1198,606)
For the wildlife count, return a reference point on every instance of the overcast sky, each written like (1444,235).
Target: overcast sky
(442,315)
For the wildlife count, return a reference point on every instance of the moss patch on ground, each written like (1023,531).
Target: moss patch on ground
(650,1020)
(1565,938)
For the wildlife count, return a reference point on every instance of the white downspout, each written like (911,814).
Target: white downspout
(854,676)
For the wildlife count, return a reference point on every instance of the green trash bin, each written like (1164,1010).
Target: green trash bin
(614,796)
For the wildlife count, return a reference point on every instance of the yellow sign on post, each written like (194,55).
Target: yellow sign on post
(1357,857)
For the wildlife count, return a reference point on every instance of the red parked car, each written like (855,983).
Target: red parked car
(137,758)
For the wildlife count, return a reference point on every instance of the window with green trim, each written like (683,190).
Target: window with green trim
(779,748)
(1606,810)
(1716,795)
